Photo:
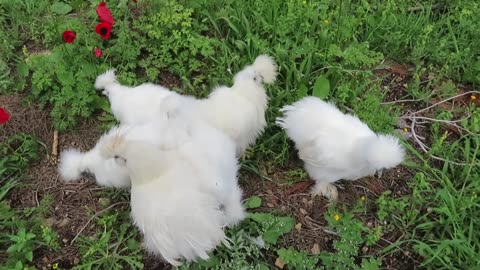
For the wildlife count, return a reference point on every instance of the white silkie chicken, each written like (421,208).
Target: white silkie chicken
(131,105)
(183,196)
(335,146)
(106,171)
(238,111)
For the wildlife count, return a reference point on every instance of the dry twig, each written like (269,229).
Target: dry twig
(94,216)
(55,146)
(414,116)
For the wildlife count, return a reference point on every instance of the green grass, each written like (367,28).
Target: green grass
(324,48)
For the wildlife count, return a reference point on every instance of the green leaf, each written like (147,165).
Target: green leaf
(302,91)
(261,217)
(61,8)
(29,256)
(101,102)
(321,88)
(133,244)
(281,227)
(12,249)
(20,85)
(210,263)
(22,69)
(30,236)
(65,77)
(253,202)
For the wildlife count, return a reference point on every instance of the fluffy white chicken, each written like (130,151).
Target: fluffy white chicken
(183,196)
(131,105)
(238,111)
(73,163)
(335,146)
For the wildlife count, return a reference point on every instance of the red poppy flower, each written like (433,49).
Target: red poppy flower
(4,116)
(97,52)
(104,13)
(69,36)
(104,29)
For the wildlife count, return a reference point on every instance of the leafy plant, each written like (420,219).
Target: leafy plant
(297,259)
(351,235)
(114,247)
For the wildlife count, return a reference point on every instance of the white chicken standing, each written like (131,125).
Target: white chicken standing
(335,146)
(183,196)
(238,111)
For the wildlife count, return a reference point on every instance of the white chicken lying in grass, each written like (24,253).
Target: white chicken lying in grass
(238,111)
(131,105)
(335,146)
(107,172)
(181,197)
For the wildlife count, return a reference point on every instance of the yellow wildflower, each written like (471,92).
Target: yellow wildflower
(363,198)
(336,217)
(326,21)
(405,129)
(473,97)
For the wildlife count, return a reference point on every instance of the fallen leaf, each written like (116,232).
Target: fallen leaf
(50,221)
(299,187)
(279,263)
(298,227)
(397,68)
(64,222)
(402,123)
(315,249)
(303,211)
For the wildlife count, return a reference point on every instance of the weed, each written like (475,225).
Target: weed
(352,233)
(114,247)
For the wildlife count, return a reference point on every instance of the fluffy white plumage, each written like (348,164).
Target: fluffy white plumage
(131,105)
(182,197)
(106,171)
(335,146)
(238,111)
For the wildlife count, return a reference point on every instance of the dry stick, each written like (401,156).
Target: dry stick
(55,146)
(94,216)
(315,226)
(412,116)
(400,101)
(445,100)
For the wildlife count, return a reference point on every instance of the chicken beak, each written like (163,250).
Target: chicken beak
(379,173)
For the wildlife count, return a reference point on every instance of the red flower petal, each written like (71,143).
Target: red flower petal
(104,13)
(4,116)
(97,52)
(104,30)
(69,36)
